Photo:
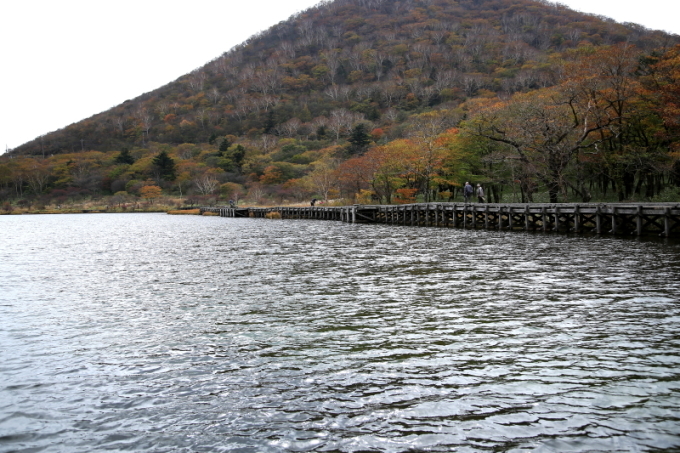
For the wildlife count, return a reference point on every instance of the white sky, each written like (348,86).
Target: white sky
(64,61)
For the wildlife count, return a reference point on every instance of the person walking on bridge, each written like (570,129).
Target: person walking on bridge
(467,192)
(480,194)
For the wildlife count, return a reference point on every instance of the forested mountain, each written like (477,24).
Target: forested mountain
(333,90)
(373,58)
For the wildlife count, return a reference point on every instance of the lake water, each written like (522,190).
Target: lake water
(149,332)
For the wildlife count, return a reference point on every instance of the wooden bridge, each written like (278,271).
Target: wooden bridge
(660,219)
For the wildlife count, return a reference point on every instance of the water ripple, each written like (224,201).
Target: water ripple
(159,333)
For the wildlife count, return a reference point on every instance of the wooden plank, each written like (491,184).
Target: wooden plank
(662,219)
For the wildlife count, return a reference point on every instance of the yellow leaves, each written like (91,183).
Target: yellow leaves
(232,190)
(351,38)
(320,70)
(355,76)
(399,49)
(364,196)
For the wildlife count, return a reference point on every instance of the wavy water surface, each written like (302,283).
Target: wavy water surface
(157,333)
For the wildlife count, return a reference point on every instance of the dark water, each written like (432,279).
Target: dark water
(201,334)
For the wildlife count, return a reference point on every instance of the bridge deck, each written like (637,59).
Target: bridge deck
(661,219)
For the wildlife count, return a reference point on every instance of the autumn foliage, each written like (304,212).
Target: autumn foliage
(385,101)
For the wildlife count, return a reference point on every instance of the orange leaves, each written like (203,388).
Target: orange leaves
(272,175)
(665,83)
(397,158)
(403,167)
(150,193)
(405,196)
(447,138)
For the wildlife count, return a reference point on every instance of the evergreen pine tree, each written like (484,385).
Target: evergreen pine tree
(269,123)
(125,157)
(359,138)
(238,155)
(164,166)
(224,146)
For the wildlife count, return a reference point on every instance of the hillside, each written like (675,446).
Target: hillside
(335,80)
(373,58)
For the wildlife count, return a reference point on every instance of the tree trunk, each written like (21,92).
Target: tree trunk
(649,192)
(628,183)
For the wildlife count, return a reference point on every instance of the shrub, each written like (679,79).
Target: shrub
(405,196)
(185,212)
(150,193)
(669,194)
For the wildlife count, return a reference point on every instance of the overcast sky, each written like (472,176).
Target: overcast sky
(63,61)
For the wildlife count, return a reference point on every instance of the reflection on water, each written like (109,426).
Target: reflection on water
(172,333)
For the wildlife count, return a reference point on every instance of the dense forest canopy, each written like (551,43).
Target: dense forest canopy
(391,101)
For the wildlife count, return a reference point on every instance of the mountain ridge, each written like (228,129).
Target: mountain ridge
(427,49)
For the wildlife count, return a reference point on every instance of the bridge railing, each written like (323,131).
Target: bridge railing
(661,219)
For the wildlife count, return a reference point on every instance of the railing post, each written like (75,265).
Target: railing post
(526,217)
(543,219)
(577,219)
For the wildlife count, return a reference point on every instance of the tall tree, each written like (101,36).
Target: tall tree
(430,146)
(164,166)
(359,138)
(323,178)
(125,157)
(663,85)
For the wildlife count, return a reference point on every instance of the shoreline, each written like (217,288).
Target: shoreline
(85,211)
